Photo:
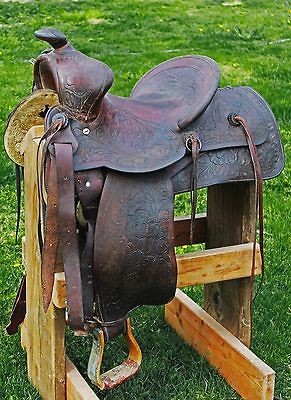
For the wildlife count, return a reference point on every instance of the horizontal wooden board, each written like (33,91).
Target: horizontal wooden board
(76,386)
(242,369)
(221,264)
(182,226)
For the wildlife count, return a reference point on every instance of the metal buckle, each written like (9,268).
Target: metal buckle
(120,373)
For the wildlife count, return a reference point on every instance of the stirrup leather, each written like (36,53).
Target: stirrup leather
(119,374)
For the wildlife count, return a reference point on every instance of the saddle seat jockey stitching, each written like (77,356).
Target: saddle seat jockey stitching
(119,162)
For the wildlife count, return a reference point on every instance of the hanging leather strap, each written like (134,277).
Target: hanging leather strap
(193,145)
(19,309)
(68,233)
(237,120)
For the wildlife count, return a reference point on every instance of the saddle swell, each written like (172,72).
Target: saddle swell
(114,165)
(79,91)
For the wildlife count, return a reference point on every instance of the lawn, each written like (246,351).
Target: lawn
(251,42)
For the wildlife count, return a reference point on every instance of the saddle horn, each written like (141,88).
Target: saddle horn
(80,90)
(54,37)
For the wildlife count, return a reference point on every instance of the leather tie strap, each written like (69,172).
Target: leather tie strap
(68,234)
(239,120)
(193,144)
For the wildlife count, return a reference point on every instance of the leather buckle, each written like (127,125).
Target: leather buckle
(119,374)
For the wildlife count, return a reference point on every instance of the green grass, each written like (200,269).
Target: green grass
(251,42)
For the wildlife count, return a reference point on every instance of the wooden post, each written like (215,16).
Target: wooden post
(231,220)
(44,333)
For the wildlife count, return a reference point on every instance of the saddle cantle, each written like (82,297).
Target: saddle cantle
(111,167)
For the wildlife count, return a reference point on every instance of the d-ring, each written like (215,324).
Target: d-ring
(189,141)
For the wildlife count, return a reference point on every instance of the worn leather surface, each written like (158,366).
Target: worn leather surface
(129,158)
(133,245)
(224,156)
(142,133)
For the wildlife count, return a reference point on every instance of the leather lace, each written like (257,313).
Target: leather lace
(258,199)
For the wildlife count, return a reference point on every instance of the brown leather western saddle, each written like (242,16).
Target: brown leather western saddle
(111,167)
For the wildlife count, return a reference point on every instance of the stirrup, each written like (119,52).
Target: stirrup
(120,373)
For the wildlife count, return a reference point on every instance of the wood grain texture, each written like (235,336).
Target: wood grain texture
(77,388)
(182,226)
(33,133)
(231,221)
(59,291)
(220,264)
(242,369)
(44,339)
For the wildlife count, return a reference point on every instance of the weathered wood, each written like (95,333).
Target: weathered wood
(33,133)
(231,221)
(45,333)
(242,369)
(77,387)
(182,229)
(219,264)
(59,291)
(23,252)
(23,335)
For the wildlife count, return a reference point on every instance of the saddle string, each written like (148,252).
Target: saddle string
(258,200)
(193,144)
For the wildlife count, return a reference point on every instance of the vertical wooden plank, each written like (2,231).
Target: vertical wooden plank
(44,342)
(231,219)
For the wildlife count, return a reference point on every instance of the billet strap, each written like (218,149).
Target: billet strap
(19,309)
(119,374)
(68,233)
(237,120)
